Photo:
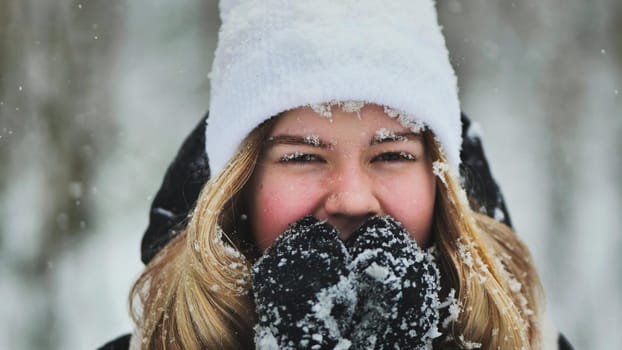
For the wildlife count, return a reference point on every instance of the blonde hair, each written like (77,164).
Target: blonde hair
(490,269)
(195,293)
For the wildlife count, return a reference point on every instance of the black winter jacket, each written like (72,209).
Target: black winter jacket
(189,171)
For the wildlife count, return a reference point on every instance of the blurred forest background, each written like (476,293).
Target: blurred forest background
(97,95)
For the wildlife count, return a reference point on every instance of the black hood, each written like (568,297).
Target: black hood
(189,171)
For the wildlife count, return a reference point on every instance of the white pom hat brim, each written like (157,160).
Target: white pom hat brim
(276,55)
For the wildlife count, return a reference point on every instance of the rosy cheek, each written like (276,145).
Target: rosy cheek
(413,207)
(276,206)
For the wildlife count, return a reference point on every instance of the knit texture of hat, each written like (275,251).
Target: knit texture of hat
(277,55)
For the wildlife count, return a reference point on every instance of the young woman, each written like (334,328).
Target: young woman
(335,218)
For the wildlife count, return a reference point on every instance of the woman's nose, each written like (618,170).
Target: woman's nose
(351,199)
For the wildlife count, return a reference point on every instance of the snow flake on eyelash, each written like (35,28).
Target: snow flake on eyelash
(406,120)
(291,156)
(386,134)
(407,156)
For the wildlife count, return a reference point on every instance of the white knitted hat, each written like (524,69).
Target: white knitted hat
(276,55)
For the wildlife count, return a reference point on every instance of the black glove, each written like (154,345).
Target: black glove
(303,297)
(397,285)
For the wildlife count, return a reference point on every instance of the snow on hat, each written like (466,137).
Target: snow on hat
(277,55)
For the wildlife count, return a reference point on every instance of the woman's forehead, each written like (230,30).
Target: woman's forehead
(306,120)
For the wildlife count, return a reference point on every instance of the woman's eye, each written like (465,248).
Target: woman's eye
(394,157)
(299,157)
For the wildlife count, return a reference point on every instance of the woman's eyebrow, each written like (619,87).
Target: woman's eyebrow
(311,140)
(383,136)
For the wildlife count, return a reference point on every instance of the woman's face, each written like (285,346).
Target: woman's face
(342,169)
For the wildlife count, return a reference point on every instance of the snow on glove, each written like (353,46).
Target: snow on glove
(303,297)
(397,284)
